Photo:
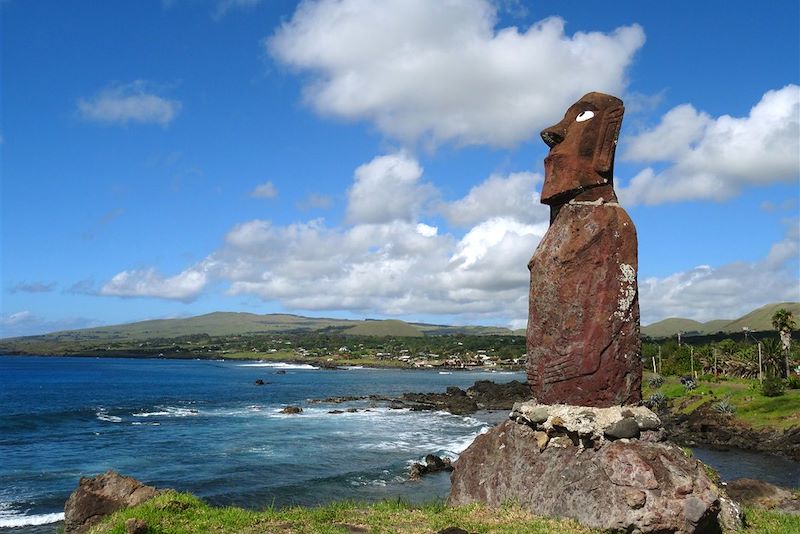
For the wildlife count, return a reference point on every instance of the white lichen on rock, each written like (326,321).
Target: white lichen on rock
(627,291)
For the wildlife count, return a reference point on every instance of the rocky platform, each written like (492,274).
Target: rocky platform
(608,468)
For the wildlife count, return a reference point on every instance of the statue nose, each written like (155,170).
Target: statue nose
(552,136)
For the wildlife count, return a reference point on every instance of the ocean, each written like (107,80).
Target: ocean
(205,427)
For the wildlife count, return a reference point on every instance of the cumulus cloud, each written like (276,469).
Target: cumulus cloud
(728,291)
(387,260)
(387,189)
(409,66)
(514,195)
(124,103)
(184,286)
(713,158)
(265,190)
(315,201)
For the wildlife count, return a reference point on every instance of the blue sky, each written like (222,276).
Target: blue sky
(381,159)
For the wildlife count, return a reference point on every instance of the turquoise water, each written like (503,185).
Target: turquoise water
(205,427)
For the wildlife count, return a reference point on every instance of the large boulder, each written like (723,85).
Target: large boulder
(621,485)
(97,497)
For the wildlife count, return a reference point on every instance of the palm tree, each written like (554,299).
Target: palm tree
(783,322)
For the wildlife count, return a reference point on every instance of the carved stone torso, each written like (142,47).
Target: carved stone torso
(583,326)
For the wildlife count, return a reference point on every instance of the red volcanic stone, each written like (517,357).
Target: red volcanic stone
(622,487)
(583,328)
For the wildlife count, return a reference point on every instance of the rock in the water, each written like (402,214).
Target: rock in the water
(433,464)
(292,409)
(583,319)
(97,497)
(259,382)
(628,486)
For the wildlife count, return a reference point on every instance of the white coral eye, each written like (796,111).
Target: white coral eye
(584,116)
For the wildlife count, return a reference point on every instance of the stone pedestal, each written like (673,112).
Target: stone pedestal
(607,468)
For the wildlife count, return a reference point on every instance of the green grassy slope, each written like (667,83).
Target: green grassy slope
(389,327)
(758,320)
(671,326)
(761,318)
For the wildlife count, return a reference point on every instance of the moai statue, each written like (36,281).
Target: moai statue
(583,321)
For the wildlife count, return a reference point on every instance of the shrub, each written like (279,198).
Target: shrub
(724,407)
(656,381)
(772,387)
(656,400)
(690,385)
(793,382)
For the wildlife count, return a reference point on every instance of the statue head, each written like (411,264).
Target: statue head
(582,148)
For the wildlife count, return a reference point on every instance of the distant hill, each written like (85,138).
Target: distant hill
(758,320)
(390,327)
(237,323)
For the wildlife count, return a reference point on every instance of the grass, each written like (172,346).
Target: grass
(752,408)
(182,513)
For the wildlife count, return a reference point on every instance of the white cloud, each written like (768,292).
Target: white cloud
(26,323)
(410,66)
(514,196)
(33,287)
(315,201)
(224,6)
(387,189)
(387,261)
(713,158)
(265,190)
(124,103)
(728,291)
(184,286)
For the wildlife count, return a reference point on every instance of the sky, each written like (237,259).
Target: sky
(360,159)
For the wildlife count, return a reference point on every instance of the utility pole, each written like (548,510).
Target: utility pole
(691,353)
(760,373)
(660,363)
(715,362)
(654,365)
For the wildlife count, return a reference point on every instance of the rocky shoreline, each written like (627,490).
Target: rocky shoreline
(482,395)
(703,426)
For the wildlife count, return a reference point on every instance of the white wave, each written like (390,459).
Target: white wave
(103,416)
(279,365)
(139,423)
(169,411)
(445,373)
(15,520)
(353,367)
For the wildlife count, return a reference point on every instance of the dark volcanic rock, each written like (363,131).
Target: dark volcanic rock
(292,410)
(706,426)
(628,486)
(491,396)
(763,495)
(97,497)
(583,320)
(433,464)
(624,428)
(136,526)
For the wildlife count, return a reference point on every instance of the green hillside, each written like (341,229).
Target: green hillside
(389,327)
(761,318)
(673,325)
(758,320)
